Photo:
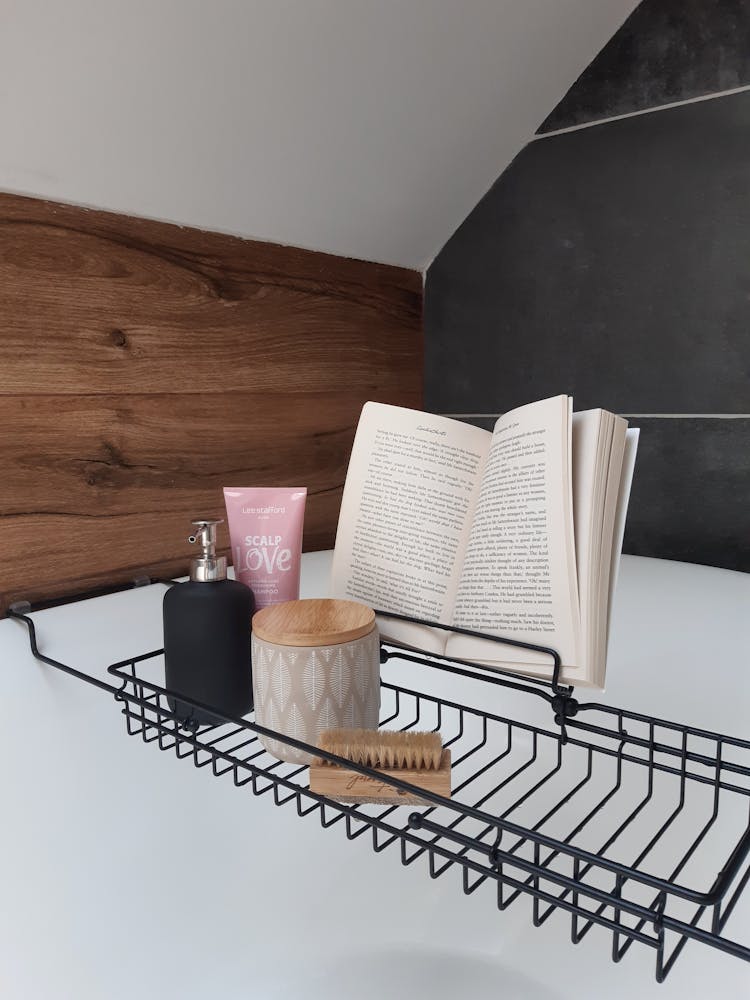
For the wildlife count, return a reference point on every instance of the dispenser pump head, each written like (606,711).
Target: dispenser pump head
(208,567)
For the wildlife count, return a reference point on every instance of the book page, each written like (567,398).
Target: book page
(519,575)
(623,497)
(587,431)
(592,431)
(410,494)
(601,596)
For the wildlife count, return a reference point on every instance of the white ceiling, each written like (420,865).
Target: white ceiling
(368,128)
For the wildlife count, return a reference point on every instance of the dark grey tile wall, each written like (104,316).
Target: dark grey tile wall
(690,492)
(613,262)
(667,50)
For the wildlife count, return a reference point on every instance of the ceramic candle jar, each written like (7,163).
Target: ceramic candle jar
(316,666)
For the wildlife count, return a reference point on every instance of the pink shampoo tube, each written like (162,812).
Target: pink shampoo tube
(265,529)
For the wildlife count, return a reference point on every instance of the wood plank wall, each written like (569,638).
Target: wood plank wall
(144,366)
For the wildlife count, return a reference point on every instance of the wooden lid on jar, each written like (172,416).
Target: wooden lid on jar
(319,621)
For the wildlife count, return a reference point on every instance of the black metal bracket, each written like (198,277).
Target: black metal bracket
(564,705)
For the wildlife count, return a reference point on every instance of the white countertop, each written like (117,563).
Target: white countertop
(127,873)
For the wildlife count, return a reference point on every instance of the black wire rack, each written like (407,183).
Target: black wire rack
(614,819)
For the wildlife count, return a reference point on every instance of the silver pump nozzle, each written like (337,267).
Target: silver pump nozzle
(208,567)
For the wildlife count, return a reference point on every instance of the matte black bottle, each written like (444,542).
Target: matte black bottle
(207,636)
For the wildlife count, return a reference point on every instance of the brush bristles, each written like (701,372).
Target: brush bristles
(384,748)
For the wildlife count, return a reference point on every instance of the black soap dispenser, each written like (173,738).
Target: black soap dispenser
(207,637)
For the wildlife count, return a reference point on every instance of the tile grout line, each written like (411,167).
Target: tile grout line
(635,416)
(643,111)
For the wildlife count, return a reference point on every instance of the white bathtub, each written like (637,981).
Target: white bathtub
(126,873)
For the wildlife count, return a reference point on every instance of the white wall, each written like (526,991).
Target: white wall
(368,128)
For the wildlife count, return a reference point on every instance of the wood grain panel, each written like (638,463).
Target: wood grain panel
(113,304)
(145,366)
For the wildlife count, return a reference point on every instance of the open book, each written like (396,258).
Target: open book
(514,533)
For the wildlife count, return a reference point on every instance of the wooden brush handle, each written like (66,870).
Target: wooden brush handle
(345,785)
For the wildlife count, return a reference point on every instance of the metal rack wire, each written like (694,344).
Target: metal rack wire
(620,820)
